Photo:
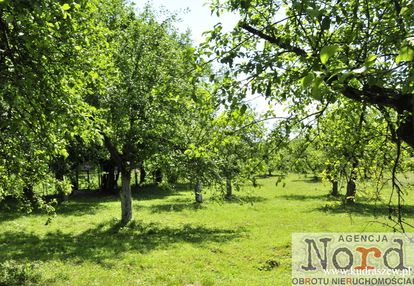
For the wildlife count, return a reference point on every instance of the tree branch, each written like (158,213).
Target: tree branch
(274,40)
(116,156)
(380,96)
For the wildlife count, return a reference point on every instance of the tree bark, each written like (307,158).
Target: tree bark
(125,193)
(335,191)
(29,194)
(351,186)
(126,197)
(350,192)
(76,181)
(108,178)
(229,189)
(158,176)
(60,170)
(118,172)
(197,191)
(142,175)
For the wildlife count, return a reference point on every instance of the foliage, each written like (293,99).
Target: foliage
(313,53)
(48,53)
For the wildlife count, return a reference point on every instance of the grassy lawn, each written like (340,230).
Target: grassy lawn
(172,241)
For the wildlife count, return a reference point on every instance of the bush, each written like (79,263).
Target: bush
(13,273)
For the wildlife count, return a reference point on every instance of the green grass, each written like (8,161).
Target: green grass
(172,241)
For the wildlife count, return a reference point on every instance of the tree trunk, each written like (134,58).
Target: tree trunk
(126,198)
(229,189)
(335,191)
(351,185)
(116,179)
(29,194)
(158,176)
(350,192)
(142,175)
(254,182)
(76,181)
(172,178)
(197,191)
(108,178)
(60,176)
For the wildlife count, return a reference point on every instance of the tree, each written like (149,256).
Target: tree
(356,146)
(320,52)
(310,54)
(145,104)
(223,146)
(48,58)
(237,139)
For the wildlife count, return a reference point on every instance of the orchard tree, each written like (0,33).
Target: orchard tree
(309,54)
(223,146)
(357,146)
(49,54)
(196,132)
(144,106)
(237,139)
(322,51)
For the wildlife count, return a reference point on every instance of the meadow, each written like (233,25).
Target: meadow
(173,241)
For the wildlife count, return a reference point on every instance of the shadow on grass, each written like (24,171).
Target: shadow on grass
(265,176)
(307,197)
(107,240)
(145,192)
(89,202)
(80,207)
(243,199)
(152,191)
(366,209)
(175,207)
(310,180)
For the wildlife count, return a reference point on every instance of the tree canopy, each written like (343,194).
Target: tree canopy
(319,52)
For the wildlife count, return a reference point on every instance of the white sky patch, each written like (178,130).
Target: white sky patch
(195,15)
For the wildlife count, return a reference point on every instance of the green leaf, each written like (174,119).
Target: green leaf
(326,23)
(343,77)
(243,109)
(245,4)
(406,54)
(313,12)
(307,80)
(66,7)
(269,89)
(404,10)
(316,88)
(370,60)
(327,52)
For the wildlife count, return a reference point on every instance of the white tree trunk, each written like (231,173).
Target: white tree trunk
(197,191)
(126,197)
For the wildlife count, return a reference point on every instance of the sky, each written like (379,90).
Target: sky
(195,15)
